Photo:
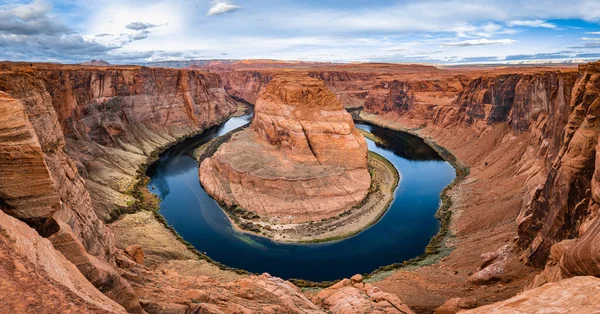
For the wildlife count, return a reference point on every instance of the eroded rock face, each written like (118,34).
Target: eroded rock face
(526,102)
(101,274)
(575,295)
(81,133)
(304,116)
(35,277)
(566,206)
(301,160)
(26,187)
(104,122)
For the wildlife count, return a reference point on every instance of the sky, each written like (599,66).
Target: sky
(426,31)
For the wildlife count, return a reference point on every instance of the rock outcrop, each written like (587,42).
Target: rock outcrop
(353,296)
(577,295)
(36,278)
(456,305)
(566,206)
(21,157)
(492,268)
(173,293)
(301,160)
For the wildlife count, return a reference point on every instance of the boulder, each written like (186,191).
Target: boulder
(136,253)
(456,305)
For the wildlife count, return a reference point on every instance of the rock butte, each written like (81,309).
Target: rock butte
(525,218)
(301,160)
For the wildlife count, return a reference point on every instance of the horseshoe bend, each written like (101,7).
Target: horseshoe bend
(301,160)
(123,188)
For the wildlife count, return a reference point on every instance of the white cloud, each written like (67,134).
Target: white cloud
(590,38)
(34,10)
(222,7)
(308,30)
(531,23)
(140,26)
(479,42)
(30,19)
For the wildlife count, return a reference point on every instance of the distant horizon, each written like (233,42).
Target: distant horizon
(545,62)
(338,31)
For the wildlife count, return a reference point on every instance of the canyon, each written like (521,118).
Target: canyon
(76,234)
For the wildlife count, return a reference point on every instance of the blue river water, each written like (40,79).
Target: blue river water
(401,234)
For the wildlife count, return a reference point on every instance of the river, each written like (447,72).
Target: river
(401,234)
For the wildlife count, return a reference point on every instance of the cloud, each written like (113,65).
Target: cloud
(479,42)
(44,47)
(471,31)
(29,32)
(531,23)
(540,56)
(137,26)
(590,38)
(587,46)
(32,11)
(140,35)
(479,59)
(221,7)
(30,19)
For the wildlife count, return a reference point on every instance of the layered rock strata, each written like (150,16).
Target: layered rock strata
(301,160)
(560,227)
(72,139)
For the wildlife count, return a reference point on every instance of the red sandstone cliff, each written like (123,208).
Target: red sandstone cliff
(81,133)
(562,221)
(113,118)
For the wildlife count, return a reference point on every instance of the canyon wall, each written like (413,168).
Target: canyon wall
(530,131)
(109,120)
(72,138)
(530,101)
(508,126)
(356,85)
(562,219)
